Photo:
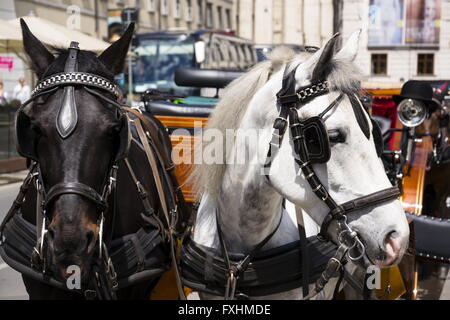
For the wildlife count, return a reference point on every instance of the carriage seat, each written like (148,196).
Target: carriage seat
(165,108)
(431,237)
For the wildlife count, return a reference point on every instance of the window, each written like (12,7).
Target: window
(228,18)
(151,6)
(233,56)
(219,17)
(164,7)
(379,64)
(103,6)
(209,16)
(188,10)
(200,11)
(425,63)
(177,9)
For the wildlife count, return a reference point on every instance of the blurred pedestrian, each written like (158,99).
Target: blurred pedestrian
(21,91)
(3,95)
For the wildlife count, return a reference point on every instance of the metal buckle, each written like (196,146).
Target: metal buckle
(357,244)
(281,118)
(274,144)
(304,164)
(324,191)
(277,135)
(230,288)
(309,176)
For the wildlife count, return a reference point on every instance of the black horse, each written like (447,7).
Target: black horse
(100,192)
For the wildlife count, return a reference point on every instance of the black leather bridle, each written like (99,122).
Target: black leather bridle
(66,122)
(145,260)
(289,101)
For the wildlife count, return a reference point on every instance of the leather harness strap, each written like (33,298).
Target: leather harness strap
(236,269)
(152,129)
(165,159)
(304,251)
(169,213)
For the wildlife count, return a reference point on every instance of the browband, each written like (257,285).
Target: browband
(304,93)
(76,78)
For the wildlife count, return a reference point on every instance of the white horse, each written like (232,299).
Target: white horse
(249,207)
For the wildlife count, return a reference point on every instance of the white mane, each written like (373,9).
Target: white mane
(343,76)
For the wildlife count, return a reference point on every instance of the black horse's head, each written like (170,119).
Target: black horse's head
(82,156)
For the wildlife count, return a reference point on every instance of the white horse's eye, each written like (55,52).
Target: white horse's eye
(336,136)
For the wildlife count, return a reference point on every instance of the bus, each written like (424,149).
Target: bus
(160,54)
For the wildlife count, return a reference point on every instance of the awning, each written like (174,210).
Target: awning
(10,37)
(59,36)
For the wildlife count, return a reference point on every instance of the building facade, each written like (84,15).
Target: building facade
(154,15)
(286,21)
(401,39)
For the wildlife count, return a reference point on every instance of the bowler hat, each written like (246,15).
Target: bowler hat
(418,90)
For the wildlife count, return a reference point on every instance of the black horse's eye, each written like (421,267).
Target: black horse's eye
(336,136)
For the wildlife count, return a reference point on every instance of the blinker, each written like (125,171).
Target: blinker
(316,140)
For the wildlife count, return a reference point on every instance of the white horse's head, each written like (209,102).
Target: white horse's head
(354,169)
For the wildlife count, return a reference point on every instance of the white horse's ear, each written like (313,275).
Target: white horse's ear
(350,49)
(320,61)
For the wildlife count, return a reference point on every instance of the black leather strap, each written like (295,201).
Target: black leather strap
(241,266)
(75,188)
(271,271)
(367,201)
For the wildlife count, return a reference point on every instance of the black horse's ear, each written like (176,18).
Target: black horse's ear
(40,57)
(114,56)
(323,66)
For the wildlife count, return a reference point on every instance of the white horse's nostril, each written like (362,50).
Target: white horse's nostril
(393,246)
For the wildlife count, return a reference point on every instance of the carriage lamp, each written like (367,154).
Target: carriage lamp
(411,113)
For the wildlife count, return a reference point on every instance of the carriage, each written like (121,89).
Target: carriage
(416,159)
(134,142)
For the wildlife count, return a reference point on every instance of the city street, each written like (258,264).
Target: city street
(11,285)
